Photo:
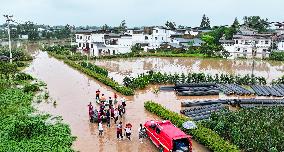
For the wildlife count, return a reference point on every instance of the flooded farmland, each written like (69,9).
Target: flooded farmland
(73,91)
(119,68)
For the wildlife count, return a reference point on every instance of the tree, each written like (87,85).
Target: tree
(236,24)
(105,27)
(207,47)
(123,25)
(205,23)
(137,48)
(211,48)
(171,25)
(30,29)
(256,23)
(224,52)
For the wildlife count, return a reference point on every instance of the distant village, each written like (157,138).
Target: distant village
(247,42)
(243,42)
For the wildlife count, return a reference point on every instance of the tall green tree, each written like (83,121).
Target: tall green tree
(170,25)
(123,25)
(236,24)
(257,23)
(205,23)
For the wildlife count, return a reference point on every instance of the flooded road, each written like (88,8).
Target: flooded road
(119,68)
(73,91)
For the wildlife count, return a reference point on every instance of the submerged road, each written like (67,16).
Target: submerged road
(73,91)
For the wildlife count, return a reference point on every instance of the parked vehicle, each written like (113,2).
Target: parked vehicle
(167,137)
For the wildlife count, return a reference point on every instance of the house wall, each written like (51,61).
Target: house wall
(280,45)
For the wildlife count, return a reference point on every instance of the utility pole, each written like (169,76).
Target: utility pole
(8,20)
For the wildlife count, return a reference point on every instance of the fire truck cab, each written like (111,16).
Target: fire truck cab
(167,137)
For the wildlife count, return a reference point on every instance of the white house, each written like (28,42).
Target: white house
(106,43)
(248,43)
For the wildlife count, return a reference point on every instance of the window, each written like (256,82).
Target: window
(237,42)
(78,36)
(266,42)
(158,131)
(88,37)
(146,37)
(156,31)
(113,51)
(83,44)
(80,44)
(156,38)
(92,45)
(81,37)
(162,38)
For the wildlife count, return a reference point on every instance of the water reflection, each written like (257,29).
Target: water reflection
(119,68)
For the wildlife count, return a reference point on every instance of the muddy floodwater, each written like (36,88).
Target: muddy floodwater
(73,91)
(119,68)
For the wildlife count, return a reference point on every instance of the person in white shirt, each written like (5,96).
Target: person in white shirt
(101,129)
(128,132)
(116,114)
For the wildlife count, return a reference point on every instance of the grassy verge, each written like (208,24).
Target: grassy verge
(102,78)
(202,134)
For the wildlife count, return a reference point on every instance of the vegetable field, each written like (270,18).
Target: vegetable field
(253,129)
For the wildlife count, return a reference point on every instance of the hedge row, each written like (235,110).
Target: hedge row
(95,68)
(203,135)
(105,80)
(151,77)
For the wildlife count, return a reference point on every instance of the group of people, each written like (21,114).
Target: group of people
(112,109)
(127,129)
(108,108)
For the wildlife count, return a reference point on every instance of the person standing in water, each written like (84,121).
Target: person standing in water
(110,101)
(90,110)
(108,118)
(101,129)
(115,98)
(142,133)
(128,131)
(123,104)
(98,94)
(116,114)
(119,131)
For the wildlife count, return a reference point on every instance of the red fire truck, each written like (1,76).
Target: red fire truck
(167,137)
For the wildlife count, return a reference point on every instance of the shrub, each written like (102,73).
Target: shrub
(253,129)
(203,135)
(278,56)
(31,88)
(23,76)
(95,68)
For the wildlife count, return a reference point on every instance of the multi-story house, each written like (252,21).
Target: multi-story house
(248,43)
(101,42)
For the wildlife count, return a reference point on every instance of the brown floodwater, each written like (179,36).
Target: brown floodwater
(119,68)
(73,91)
